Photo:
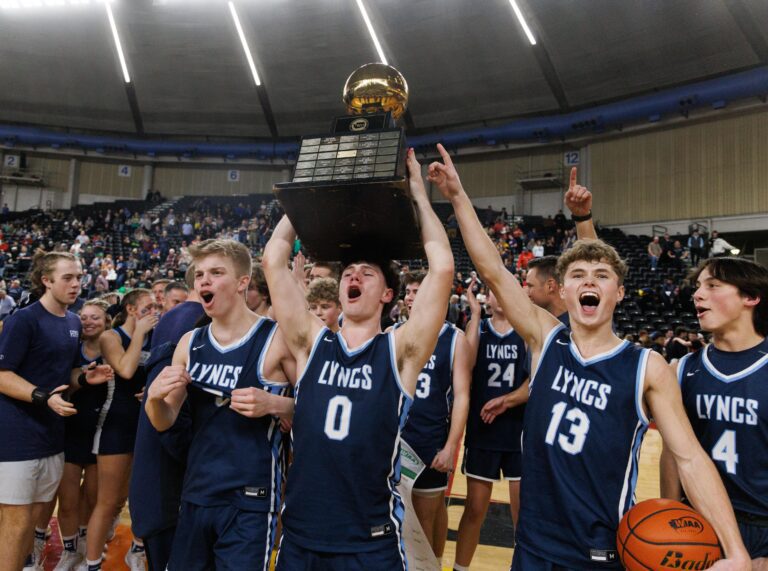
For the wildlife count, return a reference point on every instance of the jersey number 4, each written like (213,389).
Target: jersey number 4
(724,450)
(573,441)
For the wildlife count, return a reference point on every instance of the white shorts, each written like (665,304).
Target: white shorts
(30,481)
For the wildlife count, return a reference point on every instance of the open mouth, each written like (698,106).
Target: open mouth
(353,292)
(700,311)
(589,301)
(207,297)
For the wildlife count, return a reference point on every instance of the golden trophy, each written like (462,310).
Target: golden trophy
(349,198)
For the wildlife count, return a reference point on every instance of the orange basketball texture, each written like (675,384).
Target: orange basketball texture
(665,534)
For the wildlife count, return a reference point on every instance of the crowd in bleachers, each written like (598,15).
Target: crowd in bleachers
(129,244)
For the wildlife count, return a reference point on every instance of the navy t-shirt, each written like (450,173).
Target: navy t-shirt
(41,348)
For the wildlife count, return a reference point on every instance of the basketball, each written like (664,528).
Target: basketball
(661,534)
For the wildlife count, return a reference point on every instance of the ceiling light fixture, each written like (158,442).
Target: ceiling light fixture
(372,32)
(118,45)
(523,23)
(244,42)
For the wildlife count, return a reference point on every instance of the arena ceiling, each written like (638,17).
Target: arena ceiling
(467,62)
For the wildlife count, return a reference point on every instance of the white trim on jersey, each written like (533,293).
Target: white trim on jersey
(681,368)
(597,358)
(395,371)
(315,344)
(263,357)
(630,474)
(547,342)
(640,385)
(237,344)
(357,350)
(103,416)
(491,329)
(761,362)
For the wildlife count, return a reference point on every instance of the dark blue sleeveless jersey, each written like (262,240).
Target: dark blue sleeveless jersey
(726,398)
(584,424)
(501,367)
(125,389)
(350,409)
(88,400)
(426,429)
(232,460)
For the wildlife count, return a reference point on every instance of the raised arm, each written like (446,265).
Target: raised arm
(698,474)
(578,200)
(473,325)
(533,323)
(417,338)
(126,361)
(298,325)
(461,380)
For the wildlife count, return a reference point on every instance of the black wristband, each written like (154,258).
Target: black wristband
(40,397)
(83,381)
(582,218)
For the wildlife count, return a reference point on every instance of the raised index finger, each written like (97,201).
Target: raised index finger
(573,177)
(444,154)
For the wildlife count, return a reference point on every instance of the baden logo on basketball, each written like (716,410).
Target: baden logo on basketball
(686,525)
(676,560)
(360,124)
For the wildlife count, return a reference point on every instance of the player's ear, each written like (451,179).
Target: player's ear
(620,293)
(751,301)
(243,282)
(552,285)
(388,295)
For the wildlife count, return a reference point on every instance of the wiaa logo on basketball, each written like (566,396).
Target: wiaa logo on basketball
(687,525)
(674,560)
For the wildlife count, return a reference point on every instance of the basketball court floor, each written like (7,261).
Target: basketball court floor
(494,552)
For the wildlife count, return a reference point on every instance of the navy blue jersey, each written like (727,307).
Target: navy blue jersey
(350,409)
(426,429)
(232,460)
(583,428)
(501,367)
(41,348)
(126,389)
(88,400)
(723,393)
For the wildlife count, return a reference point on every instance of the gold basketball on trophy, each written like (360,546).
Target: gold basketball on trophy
(376,87)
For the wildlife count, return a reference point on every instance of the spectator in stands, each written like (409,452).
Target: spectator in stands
(679,346)
(719,247)
(669,293)
(560,220)
(538,249)
(654,252)
(678,255)
(7,303)
(523,259)
(101,285)
(696,247)
(657,343)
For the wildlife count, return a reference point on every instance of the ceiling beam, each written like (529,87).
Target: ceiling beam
(266,107)
(542,58)
(749,28)
(138,122)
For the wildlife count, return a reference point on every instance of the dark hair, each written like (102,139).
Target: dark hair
(749,278)
(130,298)
(391,276)
(335,268)
(545,265)
(414,278)
(175,285)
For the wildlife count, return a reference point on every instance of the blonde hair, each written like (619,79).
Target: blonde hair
(591,251)
(235,251)
(43,264)
(323,289)
(102,305)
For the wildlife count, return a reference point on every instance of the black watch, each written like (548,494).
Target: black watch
(584,218)
(40,397)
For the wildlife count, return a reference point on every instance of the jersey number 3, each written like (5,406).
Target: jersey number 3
(573,442)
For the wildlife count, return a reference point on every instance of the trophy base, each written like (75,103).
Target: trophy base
(372,220)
